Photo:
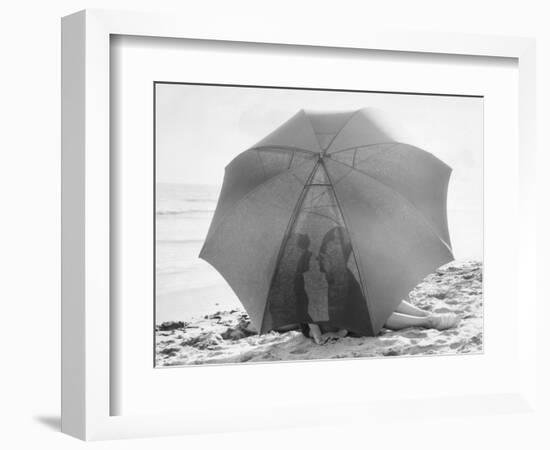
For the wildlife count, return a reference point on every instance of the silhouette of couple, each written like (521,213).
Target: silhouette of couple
(344,299)
(322,293)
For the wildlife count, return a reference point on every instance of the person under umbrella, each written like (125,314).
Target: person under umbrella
(343,290)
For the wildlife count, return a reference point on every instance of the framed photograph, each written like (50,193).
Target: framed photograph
(297,214)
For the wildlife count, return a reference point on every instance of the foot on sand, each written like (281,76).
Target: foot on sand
(342,332)
(443,321)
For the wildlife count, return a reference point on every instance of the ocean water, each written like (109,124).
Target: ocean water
(187,286)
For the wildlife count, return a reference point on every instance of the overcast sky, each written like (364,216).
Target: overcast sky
(201,128)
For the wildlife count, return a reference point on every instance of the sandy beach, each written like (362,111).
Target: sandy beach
(228,337)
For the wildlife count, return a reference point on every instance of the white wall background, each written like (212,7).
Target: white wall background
(29,182)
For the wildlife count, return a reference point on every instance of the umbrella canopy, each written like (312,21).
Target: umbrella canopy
(328,220)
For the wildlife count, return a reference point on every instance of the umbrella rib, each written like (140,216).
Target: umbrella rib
(318,196)
(355,257)
(340,130)
(248,194)
(282,147)
(372,155)
(358,147)
(290,160)
(286,236)
(401,196)
(332,219)
(261,162)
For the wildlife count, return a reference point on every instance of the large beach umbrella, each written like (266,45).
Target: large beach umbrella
(329,220)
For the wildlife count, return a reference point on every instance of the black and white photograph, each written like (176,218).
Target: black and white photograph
(296,224)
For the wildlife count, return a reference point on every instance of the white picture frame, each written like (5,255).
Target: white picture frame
(86,283)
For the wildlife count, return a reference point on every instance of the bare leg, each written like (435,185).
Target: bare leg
(410,310)
(342,332)
(398,321)
(315,334)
